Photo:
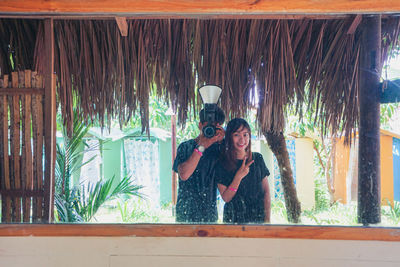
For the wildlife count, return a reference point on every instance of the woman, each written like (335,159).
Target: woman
(242,177)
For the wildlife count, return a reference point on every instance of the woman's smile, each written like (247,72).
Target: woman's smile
(241,139)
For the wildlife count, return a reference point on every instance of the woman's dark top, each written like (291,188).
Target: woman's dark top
(247,206)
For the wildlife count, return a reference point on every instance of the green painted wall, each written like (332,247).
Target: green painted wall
(113,163)
(112,160)
(165,161)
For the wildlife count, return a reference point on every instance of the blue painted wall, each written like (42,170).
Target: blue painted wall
(291,147)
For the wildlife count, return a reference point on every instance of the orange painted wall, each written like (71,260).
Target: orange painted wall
(386,169)
(341,166)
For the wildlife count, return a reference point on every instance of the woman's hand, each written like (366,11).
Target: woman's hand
(244,169)
(227,193)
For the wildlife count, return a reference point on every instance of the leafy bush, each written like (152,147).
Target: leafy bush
(393,212)
(80,203)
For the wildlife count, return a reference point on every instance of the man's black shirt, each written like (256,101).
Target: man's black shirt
(197,195)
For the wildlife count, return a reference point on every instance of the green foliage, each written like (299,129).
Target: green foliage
(137,211)
(393,213)
(336,214)
(322,201)
(158,118)
(387,112)
(68,162)
(319,220)
(190,131)
(86,201)
(80,203)
(157,115)
(278,211)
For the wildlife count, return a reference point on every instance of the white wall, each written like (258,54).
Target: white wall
(188,251)
(262,147)
(305,172)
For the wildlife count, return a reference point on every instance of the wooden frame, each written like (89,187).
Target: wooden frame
(188,7)
(284,9)
(185,230)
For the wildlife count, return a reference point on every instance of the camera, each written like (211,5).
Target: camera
(210,111)
(210,95)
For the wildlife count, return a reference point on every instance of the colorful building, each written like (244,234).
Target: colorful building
(345,172)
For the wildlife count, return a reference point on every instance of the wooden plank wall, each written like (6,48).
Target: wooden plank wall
(21,147)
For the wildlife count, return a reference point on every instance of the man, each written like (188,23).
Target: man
(194,162)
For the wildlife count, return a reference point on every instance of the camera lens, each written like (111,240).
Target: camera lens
(209,131)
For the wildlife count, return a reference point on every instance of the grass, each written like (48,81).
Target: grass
(338,214)
(133,210)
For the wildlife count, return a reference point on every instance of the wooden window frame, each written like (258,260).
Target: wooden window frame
(285,9)
(204,231)
(209,8)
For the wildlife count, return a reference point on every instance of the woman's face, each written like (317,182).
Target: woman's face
(241,139)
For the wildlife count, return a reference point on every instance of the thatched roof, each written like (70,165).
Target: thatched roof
(286,61)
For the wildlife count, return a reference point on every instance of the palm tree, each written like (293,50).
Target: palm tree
(80,203)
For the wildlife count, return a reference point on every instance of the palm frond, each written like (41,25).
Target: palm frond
(95,195)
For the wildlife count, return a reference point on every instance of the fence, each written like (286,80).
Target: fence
(21,147)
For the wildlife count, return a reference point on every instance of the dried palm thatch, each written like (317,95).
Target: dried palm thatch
(17,42)
(269,63)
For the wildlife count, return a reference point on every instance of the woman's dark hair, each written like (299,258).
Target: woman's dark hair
(228,153)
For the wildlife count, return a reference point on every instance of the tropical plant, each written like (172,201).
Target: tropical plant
(394,211)
(84,202)
(137,211)
(387,112)
(278,210)
(321,195)
(80,203)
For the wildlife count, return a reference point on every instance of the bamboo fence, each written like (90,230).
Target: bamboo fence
(21,147)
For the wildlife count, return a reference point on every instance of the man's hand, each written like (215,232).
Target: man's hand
(220,133)
(218,137)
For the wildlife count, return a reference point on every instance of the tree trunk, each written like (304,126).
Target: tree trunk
(278,146)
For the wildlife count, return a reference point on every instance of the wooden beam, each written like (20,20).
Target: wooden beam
(125,7)
(203,231)
(22,193)
(49,122)
(174,176)
(111,16)
(353,27)
(369,167)
(122,25)
(21,91)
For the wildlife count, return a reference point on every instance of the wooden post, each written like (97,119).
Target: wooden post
(369,170)
(49,122)
(4,155)
(173,142)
